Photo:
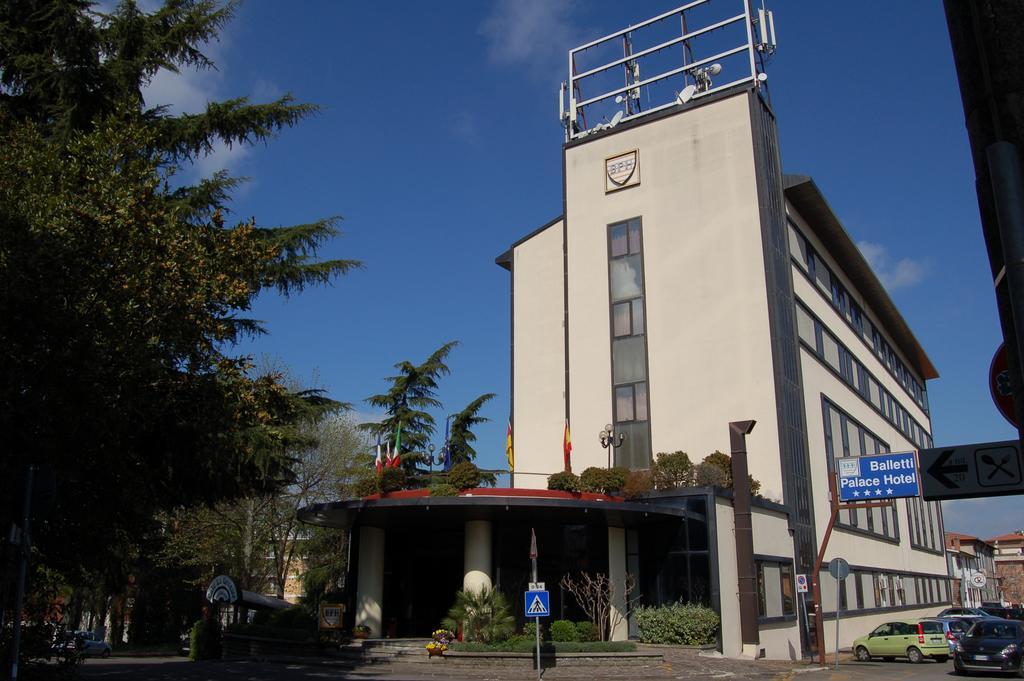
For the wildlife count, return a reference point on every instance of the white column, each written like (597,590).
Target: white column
(477,561)
(370,588)
(617,575)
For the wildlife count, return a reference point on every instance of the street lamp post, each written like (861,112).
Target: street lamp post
(428,458)
(610,440)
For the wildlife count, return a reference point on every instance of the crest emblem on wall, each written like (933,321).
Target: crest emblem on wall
(622,171)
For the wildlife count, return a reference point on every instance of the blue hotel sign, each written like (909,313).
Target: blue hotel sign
(885,476)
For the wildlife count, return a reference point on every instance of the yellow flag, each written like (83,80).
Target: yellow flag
(508,448)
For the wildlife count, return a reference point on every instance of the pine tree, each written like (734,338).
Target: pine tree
(412,392)
(459,442)
(123,296)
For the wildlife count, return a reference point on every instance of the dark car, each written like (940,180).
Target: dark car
(990,645)
(963,612)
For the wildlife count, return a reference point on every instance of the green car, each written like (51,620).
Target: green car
(914,639)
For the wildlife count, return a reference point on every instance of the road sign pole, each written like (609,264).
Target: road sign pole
(839,605)
(536,620)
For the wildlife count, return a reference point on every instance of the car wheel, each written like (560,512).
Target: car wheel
(1020,670)
(106,652)
(914,655)
(863,655)
(958,668)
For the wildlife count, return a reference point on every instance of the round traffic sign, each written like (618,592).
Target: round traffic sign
(839,568)
(999,385)
(978,580)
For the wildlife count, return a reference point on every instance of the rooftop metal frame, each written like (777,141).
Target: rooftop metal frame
(573,112)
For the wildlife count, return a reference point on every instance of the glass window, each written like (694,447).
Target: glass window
(788,601)
(638,316)
(831,350)
(624,403)
(635,450)
(620,320)
(626,277)
(634,236)
(640,397)
(805,326)
(821,273)
(798,247)
(629,359)
(619,244)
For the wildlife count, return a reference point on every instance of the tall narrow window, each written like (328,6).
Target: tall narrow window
(629,343)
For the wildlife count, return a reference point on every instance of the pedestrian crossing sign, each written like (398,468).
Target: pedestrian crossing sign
(536,604)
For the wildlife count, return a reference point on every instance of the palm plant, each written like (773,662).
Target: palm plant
(484,615)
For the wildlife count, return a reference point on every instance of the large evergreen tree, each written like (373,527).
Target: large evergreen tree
(413,390)
(460,441)
(121,294)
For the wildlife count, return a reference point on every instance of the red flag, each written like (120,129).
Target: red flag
(567,448)
(533,544)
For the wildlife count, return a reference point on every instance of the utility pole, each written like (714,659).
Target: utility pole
(24,546)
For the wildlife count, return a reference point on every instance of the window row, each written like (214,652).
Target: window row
(820,340)
(629,343)
(867,589)
(775,588)
(844,436)
(812,264)
(925,524)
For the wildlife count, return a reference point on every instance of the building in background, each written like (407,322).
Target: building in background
(1009,560)
(972,567)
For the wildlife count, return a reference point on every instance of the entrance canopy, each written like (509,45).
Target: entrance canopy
(415,507)
(224,590)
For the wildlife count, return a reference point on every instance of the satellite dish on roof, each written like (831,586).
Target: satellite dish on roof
(687,94)
(616,118)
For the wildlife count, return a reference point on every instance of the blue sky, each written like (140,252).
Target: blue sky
(439,144)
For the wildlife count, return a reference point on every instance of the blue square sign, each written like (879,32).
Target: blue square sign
(536,604)
(885,476)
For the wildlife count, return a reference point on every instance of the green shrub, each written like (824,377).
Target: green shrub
(564,481)
(527,645)
(586,631)
(265,631)
(709,475)
(563,631)
(365,486)
(530,631)
(724,461)
(204,640)
(464,475)
(672,470)
(392,480)
(638,483)
(443,489)
(678,624)
(603,480)
(294,617)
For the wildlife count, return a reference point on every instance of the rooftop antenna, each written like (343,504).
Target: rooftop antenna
(766,31)
(702,76)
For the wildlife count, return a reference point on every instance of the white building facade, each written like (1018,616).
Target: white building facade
(689,283)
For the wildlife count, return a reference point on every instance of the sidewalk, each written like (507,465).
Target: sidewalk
(677,664)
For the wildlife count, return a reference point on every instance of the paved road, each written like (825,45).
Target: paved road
(683,666)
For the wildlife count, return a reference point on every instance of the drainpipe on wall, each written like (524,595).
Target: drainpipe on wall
(745,568)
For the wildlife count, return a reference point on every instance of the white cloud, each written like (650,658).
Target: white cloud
(893,274)
(534,33)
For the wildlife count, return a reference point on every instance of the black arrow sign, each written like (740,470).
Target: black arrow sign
(939,470)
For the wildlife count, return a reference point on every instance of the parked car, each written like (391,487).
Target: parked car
(997,611)
(992,645)
(953,628)
(963,612)
(84,643)
(914,639)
